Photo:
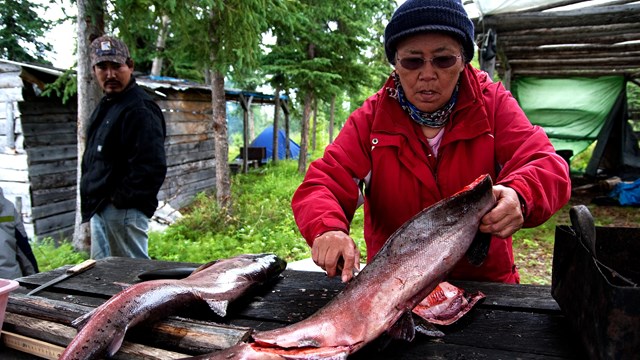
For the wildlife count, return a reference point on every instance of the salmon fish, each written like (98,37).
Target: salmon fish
(413,261)
(217,283)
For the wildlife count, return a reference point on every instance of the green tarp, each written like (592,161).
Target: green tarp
(572,111)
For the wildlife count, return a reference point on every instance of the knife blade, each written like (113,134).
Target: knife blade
(72,271)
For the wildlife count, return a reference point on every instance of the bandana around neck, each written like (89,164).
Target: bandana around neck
(436,119)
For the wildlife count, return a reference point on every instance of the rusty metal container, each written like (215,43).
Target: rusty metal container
(595,277)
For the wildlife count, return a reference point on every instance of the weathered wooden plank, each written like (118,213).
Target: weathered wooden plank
(588,16)
(508,41)
(50,209)
(28,345)
(180,116)
(190,138)
(188,127)
(11,175)
(184,195)
(51,332)
(50,121)
(13,189)
(51,153)
(41,109)
(51,195)
(181,196)
(49,320)
(53,223)
(11,93)
(186,168)
(50,128)
(52,167)
(174,98)
(37,140)
(60,234)
(191,160)
(10,80)
(200,146)
(436,349)
(46,181)
(185,184)
(14,162)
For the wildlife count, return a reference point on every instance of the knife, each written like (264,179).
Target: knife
(72,271)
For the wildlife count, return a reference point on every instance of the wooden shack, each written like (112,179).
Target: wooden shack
(38,144)
(561,58)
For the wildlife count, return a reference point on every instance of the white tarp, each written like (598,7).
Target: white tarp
(478,8)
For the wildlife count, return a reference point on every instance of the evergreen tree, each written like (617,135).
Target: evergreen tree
(331,48)
(21,30)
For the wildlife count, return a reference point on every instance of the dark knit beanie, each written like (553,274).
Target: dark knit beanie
(417,16)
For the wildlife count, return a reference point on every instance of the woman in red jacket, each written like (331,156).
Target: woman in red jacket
(434,127)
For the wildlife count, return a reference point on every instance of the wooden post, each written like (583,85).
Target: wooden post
(10,128)
(276,113)
(285,109)
(245,132)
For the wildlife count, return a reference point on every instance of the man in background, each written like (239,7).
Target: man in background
(16,257)
(124,163)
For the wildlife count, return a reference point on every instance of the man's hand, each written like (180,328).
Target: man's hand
(506,217)
(336,252)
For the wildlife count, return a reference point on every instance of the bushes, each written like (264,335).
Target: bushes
(262,221)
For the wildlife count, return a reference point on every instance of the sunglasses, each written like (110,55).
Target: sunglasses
(441,62)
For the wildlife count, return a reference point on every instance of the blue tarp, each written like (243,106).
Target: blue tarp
(265,139)
(628,194)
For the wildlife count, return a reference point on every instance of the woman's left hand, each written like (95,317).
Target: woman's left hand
(506,217)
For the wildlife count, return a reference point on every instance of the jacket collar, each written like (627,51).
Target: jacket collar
(130,85)
(391,118)
(469,118)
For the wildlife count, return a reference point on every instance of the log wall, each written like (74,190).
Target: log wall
(38,160)
(590,41)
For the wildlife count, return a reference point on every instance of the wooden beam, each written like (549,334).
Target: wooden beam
(601,38)
(590,16)
(595,62)
(582,48)
(570,72)
(572,54)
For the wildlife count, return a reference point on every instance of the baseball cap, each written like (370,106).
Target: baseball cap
(107,48)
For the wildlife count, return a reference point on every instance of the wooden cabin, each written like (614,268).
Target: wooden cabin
(38,144)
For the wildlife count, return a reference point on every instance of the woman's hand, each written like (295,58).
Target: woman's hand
(506,217)
(336,252)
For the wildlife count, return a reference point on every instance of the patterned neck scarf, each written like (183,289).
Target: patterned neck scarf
(436,119)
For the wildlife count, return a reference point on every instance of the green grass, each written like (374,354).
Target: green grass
(262,221)
(51,255)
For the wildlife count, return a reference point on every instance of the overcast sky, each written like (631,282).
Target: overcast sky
(63,37)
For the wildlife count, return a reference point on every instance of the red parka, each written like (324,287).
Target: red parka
(383,152)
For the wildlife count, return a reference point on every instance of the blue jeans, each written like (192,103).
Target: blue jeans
(119,232)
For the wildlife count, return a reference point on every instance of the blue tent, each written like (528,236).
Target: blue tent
(265,139)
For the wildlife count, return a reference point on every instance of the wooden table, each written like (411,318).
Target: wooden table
(514,321)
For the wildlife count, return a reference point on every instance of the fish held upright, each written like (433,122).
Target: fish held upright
(413,261)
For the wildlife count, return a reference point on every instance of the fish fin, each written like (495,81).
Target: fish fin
(204,266)
(404,328)
(82,320)
(426,328)
(116,343)
(477,252)
(218,306)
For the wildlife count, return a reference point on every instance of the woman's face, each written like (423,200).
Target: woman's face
(428,85)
